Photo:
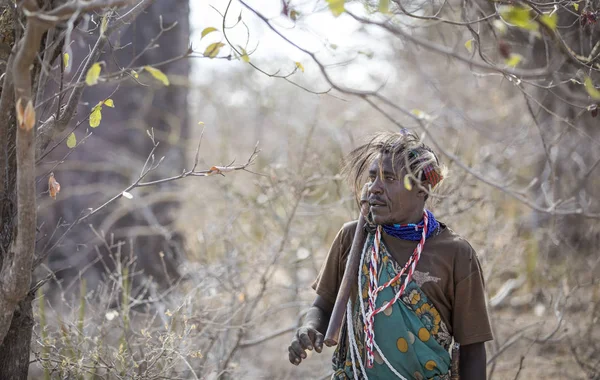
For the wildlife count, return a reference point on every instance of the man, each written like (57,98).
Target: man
(421,285)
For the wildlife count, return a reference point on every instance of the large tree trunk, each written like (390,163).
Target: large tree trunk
(15,349)
(572,170)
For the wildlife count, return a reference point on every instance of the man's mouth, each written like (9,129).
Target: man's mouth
(375,203)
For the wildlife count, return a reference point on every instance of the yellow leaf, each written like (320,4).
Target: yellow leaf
(244,55)
(469,45)
(576,6)
(518,16)
(72,140)
(384,6)
(96,116)
(91,78)
(206,31)
(591,89)
(213,49)
(109,103)
(419,114)
(200,123)
(66,60)
(300,66)
(135,74)
(336,6)
(294,14)
(407,184)
(157,74)
(513,60)
(550,20)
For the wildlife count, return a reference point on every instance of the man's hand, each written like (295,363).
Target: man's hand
(311,335)
(306,338)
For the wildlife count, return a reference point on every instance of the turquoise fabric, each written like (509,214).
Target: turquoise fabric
(409,333)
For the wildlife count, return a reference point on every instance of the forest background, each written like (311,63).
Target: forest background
(170,174)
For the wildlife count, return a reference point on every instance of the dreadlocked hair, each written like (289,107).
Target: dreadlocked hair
(408,152)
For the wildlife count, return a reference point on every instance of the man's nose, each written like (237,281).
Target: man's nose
(376,187)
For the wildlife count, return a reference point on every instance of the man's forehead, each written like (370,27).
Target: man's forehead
(386,162)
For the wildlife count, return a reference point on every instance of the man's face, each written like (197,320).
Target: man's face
(390,202)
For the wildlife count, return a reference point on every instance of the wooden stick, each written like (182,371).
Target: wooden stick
(454,372)
(349,279)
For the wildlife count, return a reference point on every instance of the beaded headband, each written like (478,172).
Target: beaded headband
(429,171)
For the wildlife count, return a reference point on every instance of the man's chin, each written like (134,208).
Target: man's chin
(378,219)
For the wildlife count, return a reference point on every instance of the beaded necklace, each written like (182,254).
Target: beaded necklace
(412,231)
(375,288)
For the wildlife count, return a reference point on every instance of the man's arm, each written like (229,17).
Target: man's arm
(472,362)
(312,333)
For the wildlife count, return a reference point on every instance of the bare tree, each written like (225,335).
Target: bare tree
(40,101)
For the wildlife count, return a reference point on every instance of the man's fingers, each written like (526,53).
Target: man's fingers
(319,342)
(294,359)
(297,349)
(306,340)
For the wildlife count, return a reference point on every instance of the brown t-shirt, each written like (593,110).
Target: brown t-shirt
(448,272)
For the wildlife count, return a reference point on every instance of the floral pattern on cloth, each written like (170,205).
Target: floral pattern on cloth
(405,328)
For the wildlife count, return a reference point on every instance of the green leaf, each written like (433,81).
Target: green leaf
(157,74)
(336,6)
(92,75)
(407,183)
(213,49)
(96,115)
(66,60)
(550,20)
(208,30)
(368,54)
(384,6)
(513,60)
(300,66)
(72,140)
(576,6)
(519,16)
(109,103)
(591,89)
(244,55)
(469,45)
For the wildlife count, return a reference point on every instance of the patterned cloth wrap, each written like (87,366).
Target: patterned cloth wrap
(410,333)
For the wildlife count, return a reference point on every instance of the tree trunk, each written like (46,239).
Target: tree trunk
(15,349)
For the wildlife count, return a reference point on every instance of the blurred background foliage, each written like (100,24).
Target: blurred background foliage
(215,283)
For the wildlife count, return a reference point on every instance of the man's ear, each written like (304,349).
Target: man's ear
(423,189)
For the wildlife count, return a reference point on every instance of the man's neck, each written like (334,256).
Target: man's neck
(413,219)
